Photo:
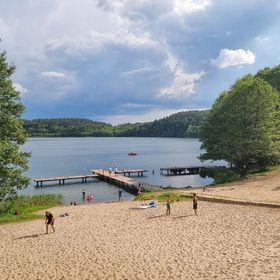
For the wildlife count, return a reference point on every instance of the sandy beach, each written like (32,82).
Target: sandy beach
(117,241)
(262,188)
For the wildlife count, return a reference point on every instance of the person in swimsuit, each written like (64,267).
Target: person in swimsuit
(194,203)
(168,206)
(49,221)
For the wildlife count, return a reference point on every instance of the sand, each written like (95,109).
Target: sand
(116,241)
(263,188)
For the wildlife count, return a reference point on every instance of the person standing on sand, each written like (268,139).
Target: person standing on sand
(49,221)
(168,206)
(194,200)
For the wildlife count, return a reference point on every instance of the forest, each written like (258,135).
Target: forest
(183,124)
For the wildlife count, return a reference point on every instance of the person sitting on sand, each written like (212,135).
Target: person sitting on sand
(49,221)
(194,203)
(168,206)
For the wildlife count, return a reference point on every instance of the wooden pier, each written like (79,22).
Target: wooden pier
(61,180)
(186,170)
(127,183)
(125,172)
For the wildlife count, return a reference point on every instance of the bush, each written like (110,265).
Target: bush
(220,175)
(25,205)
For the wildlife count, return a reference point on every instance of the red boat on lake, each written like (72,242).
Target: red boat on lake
(132,154)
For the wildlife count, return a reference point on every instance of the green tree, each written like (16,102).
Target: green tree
(13,161)
(242,128)
(271,75)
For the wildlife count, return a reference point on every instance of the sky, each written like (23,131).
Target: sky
(123,61)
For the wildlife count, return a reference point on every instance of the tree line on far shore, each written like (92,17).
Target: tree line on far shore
(183,124)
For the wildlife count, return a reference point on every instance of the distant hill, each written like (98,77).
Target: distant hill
(67,127)
(183,124)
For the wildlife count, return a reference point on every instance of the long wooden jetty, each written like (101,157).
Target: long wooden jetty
(184,170)
(127,183)
(62,179)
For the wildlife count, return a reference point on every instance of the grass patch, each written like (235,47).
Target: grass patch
(25,206)
(162,196)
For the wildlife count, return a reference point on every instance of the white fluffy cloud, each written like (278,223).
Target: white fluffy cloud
(20,88)
(183,83)
(227,58)
(182,7)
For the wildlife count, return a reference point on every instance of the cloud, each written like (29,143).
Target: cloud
(53,74)
(261,39)
(94,42)
(183,83)
(139,71)
(229,58)
(182,7)
(148,116)
(20,88)
(144,52)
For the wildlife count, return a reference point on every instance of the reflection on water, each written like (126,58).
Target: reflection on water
(76,156)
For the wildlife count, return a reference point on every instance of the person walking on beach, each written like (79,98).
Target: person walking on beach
(168,206)
(49,221)
(194,200)
(120,195)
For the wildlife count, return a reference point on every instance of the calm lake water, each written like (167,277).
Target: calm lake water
(75,156)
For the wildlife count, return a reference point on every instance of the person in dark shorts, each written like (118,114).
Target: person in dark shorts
(49,221)
(194,203)
(168,206)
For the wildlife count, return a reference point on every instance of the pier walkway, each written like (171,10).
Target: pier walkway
(62,179)
(186,170)
(128,172)
(127,183)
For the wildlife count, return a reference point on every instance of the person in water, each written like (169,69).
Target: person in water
(168,206)
(84,194)
(49,221)
(120,195)
(194,203)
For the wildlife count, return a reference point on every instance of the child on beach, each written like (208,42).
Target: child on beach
(168,206)
(194,203)
(49,221)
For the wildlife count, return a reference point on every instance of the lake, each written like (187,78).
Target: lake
(75,156)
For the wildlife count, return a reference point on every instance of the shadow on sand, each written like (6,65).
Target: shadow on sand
(32,236)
